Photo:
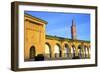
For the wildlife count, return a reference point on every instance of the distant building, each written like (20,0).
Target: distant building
(52,47)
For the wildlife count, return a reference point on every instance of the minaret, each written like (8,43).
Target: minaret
(73,30)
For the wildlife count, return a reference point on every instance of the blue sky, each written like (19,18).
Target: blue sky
(59,24)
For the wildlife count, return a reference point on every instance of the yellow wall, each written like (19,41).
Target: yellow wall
(34,35)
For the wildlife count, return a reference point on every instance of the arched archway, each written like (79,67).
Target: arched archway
(89,52)
(80,51)
(47,50)
(57,51)
(73,51)
(66,51)
(32,52)
(86,52)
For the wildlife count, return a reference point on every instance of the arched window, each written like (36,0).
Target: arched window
(57,51)
(80,51)
(32,52)
(73,51)
(66,50)
(47,50)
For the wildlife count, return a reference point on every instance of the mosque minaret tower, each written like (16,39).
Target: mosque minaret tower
(73,30)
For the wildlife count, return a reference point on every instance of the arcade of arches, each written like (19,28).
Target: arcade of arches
(56,47)
(52,47)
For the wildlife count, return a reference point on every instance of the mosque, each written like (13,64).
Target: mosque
(36,42)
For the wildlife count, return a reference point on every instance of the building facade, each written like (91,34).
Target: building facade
(51,47)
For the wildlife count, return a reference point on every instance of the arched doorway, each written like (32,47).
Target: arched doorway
(57,51)
(73,51)
(80,51)
(32,52)
(47,50)
(66,51)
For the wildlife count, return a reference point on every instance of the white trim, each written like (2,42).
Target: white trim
(33,64)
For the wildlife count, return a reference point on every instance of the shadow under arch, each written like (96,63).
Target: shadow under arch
(80,51)
(73,51)
(66,50)
(86,51)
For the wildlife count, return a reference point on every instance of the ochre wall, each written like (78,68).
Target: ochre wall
(34,35)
